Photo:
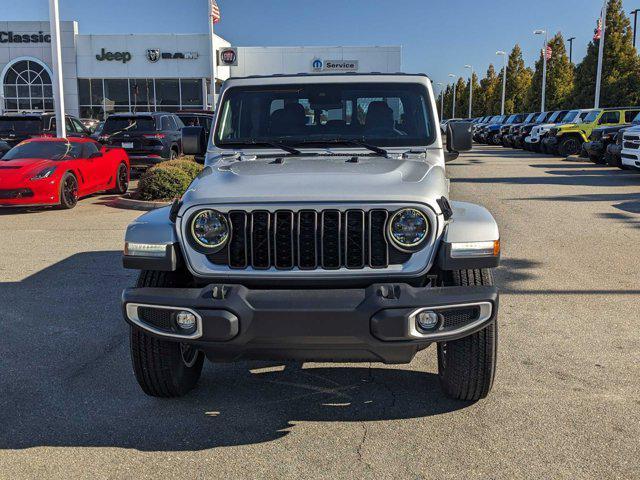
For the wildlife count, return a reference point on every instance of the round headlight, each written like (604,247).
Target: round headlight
(408,228)
(210,229)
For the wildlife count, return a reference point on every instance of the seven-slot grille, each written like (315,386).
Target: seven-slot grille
(307,239)
(629,142)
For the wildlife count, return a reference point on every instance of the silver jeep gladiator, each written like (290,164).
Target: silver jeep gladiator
(321,229)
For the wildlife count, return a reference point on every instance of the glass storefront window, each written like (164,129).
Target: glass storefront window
(167,93)
(100,97)
(191,92)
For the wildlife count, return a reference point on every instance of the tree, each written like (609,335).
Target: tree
(560,73)
(462,98)
(490,91)
(478,100)
(620,69)
(518,82)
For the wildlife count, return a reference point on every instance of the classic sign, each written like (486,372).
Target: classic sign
(10,37)
(123,57)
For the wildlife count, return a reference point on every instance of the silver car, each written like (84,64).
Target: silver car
(321,229)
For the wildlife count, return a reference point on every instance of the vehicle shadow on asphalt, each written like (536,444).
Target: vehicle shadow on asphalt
(66,377)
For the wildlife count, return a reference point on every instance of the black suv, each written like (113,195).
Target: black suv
(197,118)
(14,128)
(148,138)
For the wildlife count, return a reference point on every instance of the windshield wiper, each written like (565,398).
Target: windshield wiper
(348,141)
(265,141)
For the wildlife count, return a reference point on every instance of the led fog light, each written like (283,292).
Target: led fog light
(426,321)
(186,320)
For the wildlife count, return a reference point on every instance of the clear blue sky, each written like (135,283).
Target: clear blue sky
(438,37)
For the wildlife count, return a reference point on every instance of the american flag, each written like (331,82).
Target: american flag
(598,32)
(549,52)
(215,12)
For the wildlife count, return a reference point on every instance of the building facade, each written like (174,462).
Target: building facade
(103,74)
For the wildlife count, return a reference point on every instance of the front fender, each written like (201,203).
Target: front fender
(154,228)
(471,225)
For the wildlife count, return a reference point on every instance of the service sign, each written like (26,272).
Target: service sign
(319,65)
(228,57)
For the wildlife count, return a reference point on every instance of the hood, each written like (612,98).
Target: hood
(12,170)
(320,179)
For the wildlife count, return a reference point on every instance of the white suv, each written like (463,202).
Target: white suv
(631,148)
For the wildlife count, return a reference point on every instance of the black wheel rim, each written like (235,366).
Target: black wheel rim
(70,191)
(189,354)
(571,147)
(122,178)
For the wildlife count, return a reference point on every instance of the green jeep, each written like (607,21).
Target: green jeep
(567,139)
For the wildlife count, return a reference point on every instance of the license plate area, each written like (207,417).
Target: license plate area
(127,145)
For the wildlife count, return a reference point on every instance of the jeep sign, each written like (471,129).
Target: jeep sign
(123,57)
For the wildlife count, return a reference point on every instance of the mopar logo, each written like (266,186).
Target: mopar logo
(317,64)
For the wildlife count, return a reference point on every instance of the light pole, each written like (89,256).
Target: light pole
(56,55)
(544,65)
(601,54)
(470,89)
(441,85)
(453,109)
(504,79)
(570,40)
(635,24)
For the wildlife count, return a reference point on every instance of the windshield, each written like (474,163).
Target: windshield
(129,124)
(511,119)
(542,117)
(529,118)
(592,116)
(497,119)
(554,117)
(636,119)
(47,150)
(383,114)
(20,125)
(571,116)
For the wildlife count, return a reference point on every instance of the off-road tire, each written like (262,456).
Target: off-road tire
(122,180)
(158,364)
(569,146)
(596,159)
(467,367)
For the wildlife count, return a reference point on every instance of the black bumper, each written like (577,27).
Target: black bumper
(369,324)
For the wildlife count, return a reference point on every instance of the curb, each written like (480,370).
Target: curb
(132,204)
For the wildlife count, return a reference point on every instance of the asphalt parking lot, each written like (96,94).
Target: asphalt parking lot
(566,402)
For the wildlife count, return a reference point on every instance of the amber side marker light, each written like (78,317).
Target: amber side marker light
(475,249)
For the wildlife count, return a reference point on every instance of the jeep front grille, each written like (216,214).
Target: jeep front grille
(307,240)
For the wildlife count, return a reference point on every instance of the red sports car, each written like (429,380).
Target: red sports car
(58,171)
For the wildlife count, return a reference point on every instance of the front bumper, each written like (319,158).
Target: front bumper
(368,324)
(630,158)
(32,193)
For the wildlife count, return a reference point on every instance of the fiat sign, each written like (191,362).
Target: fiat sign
(228,57)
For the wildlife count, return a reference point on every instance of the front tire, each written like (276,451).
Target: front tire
(163,368)
(467,367)
(68,191)
(569,146)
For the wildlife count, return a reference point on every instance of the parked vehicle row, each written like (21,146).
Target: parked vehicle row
(608,136)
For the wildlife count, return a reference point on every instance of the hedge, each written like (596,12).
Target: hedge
(167,180)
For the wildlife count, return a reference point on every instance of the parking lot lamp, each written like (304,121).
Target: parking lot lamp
(635,24)
(570,40)
(504,78)
(601,53)
(470,89)
(453,108)
(56,55)
(544,65)
(441,85)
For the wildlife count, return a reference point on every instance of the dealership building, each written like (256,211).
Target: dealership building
(104,74)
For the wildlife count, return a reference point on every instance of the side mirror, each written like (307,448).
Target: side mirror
(459,139)
(194,141)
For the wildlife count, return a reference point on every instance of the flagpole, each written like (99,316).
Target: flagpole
(56,55)
(544,69)
(603,14)
(213,56)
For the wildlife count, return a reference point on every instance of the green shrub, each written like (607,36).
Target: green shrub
(167,180)
(191,168)
(163,183)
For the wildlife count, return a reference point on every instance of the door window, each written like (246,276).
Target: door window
(609,117)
